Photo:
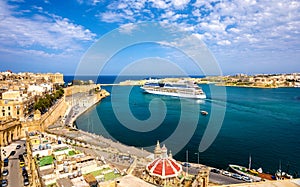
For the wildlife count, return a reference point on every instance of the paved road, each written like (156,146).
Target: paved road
(14,177)
(222,179)
(214,177)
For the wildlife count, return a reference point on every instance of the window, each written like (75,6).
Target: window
(9,108)
(9,113)
(3,114)
(18,112)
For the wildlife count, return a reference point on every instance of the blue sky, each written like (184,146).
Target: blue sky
(245,36)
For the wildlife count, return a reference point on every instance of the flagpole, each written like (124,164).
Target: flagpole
(197,157)
(187,161)
(249,162)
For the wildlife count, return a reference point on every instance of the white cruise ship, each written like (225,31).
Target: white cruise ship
(184,89)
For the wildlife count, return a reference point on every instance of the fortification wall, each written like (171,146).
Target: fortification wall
(40,124)
(80,89)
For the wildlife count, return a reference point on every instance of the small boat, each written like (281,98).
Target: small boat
(254,175)
(203,112)
(245,172)
(280,175)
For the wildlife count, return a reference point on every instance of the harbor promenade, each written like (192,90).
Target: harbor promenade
(113,152)
(125,158)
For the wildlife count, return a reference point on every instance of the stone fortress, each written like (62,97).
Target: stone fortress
(19,92)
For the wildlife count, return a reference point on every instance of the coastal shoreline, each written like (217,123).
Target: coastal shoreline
(202,83)
(240,80)
(100,143)
(80,103)
(116,151)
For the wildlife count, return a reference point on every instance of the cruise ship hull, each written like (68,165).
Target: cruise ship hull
(175,94)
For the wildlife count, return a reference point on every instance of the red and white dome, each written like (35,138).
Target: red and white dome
(164,168)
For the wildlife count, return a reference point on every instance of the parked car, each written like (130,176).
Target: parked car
(214,170)
(5,172)
(21,156)
(25,176)
(22,164)
(226,173)
(4,182)
(26,182)
(5,162)
(22,160)
(247,179)
(12,153)
(18,147)
(185,164)
(237,176)
(24,173)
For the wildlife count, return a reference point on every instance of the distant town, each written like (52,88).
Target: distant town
(260,80)
(239,80)
(41,146)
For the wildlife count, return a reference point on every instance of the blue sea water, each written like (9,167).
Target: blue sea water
(263,123)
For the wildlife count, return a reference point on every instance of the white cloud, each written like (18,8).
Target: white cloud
(235,30)
(127,28)
(122,6)
(160,4)
(95,2)
(43,31)
(17,1)
(199,36)
(137,4)
(169,14)
(242,22)
(196,13)
(213,26)
(112,17)
(224,42)
(180,4)
(206,3)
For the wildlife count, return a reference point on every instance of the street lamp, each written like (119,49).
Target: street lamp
(187,162)
(197,157)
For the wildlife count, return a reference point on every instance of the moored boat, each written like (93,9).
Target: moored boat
(255,175)
(281,175)
(203,112)
(246,172)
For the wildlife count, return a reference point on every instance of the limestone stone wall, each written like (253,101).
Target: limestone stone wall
(79,89)
(102,94)
(54,113)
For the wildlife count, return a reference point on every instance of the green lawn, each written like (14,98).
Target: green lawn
(71,153)
(107,176)
(110,176)
(99,172)
(62,149)
(46,160)
(51,185)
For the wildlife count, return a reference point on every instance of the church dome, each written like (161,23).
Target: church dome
(164,168)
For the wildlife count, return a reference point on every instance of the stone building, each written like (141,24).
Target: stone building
(202,178)
(9,130)
(163,170)
(14,108)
